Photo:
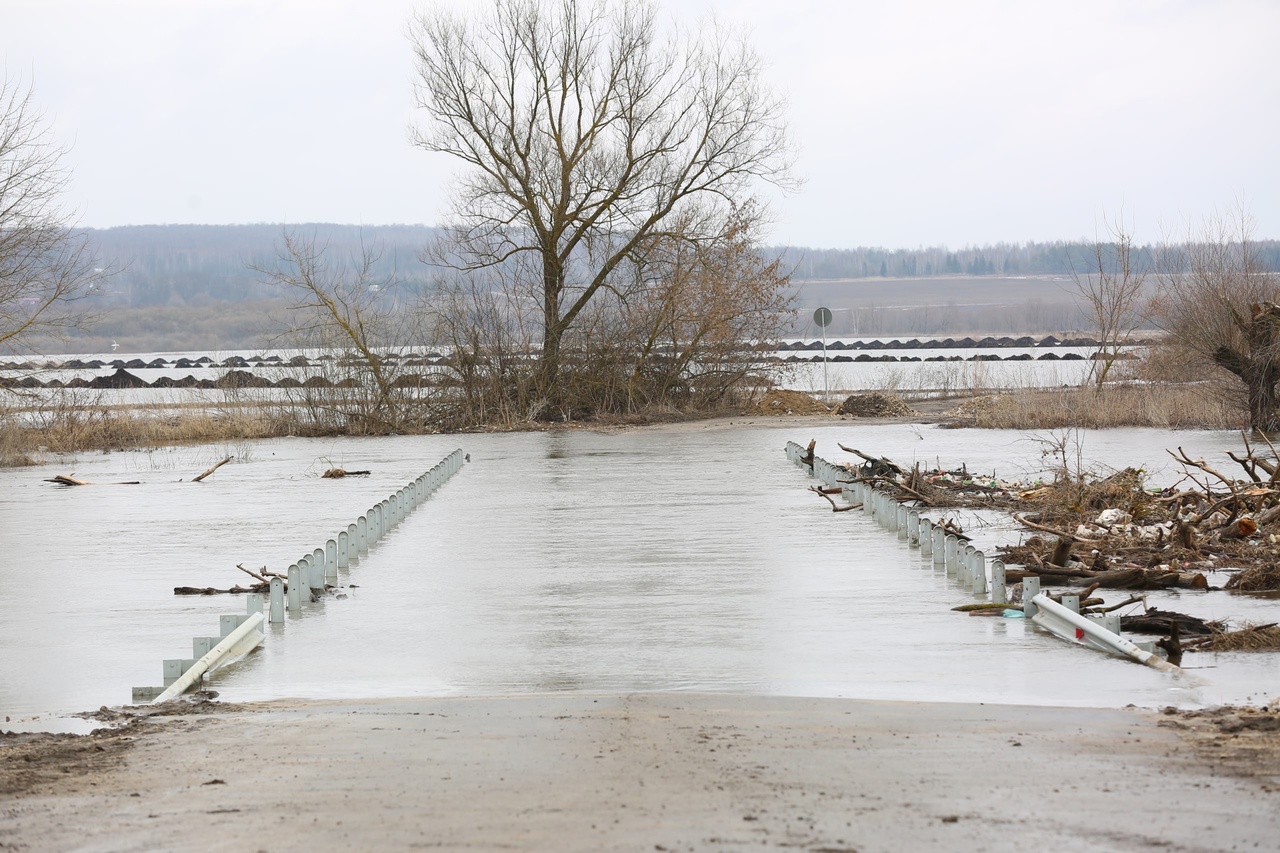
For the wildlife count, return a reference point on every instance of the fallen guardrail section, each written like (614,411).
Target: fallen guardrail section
(970,566)
(241,634)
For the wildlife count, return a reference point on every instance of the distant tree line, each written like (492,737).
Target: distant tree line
(194,265)
(1004,259)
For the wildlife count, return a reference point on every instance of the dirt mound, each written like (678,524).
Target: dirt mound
(875,405)
(974,407)
(788,403)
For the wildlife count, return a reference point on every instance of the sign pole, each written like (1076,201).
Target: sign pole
(823,318)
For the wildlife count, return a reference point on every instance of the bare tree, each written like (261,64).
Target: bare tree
(346,312)
(1218,304)
(45,265)
(1112,293)
(587,133)
(707,313)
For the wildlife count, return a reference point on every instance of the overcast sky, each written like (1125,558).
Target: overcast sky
(918,123)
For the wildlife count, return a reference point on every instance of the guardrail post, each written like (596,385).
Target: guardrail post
(900,521)
(913,528)
(1071,602)
(939,547)
(295,587)
(317,570)
(1030,589)
(344,545)
(228,622)
(353,552)
(979,572)
(331,562)
(998,582)
(362,535)
(926,537)
(966,550)
(277,601)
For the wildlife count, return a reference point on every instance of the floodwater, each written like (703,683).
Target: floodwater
(672,558)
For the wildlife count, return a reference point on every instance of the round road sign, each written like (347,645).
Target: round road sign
(822,317)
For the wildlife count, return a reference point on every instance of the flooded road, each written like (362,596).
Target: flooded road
(666,559)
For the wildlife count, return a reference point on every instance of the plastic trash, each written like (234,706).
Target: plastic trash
(1014,614)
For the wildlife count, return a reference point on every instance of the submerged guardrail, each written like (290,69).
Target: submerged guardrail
(970,566)
(313,572)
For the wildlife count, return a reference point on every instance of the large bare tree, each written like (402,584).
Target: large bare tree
(588,133)
(45,264)
(1218,304)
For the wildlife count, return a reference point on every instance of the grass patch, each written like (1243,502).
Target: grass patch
(25,440)
(1161,405)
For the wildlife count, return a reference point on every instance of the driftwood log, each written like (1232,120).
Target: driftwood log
(1156,621)
(1138,579)
(214,468)
(70,480)
(208,590)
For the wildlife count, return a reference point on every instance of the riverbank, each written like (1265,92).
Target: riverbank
(650,771)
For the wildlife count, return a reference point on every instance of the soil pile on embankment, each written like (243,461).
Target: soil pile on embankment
(778,402)
(876,405)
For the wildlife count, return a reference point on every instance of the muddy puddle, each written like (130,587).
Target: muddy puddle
(677,558)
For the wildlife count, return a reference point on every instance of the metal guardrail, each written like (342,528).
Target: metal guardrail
(970,566)
(312,573)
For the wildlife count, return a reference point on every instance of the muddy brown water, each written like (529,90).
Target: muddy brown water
(667,559)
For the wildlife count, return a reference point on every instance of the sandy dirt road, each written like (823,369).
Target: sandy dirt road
(652,772)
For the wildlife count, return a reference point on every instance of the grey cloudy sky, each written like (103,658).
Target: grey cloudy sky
(917,123)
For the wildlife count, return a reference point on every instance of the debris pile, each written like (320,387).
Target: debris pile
(1116,532)
(875,405)
(779,402)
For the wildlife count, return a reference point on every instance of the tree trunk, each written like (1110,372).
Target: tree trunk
(548,384)
(1263,401)
(1262,371)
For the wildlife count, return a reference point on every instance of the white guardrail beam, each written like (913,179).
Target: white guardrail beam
(1069,625)
(238,643)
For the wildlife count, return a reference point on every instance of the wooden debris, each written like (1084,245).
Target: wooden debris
(1156,621)
(214,468)
(1254,638)
(252,573)
(68,480)
(826,493)
(208,590)
(1264,578)
(339,473)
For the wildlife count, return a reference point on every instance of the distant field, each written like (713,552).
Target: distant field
(950,305)
(957,290)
